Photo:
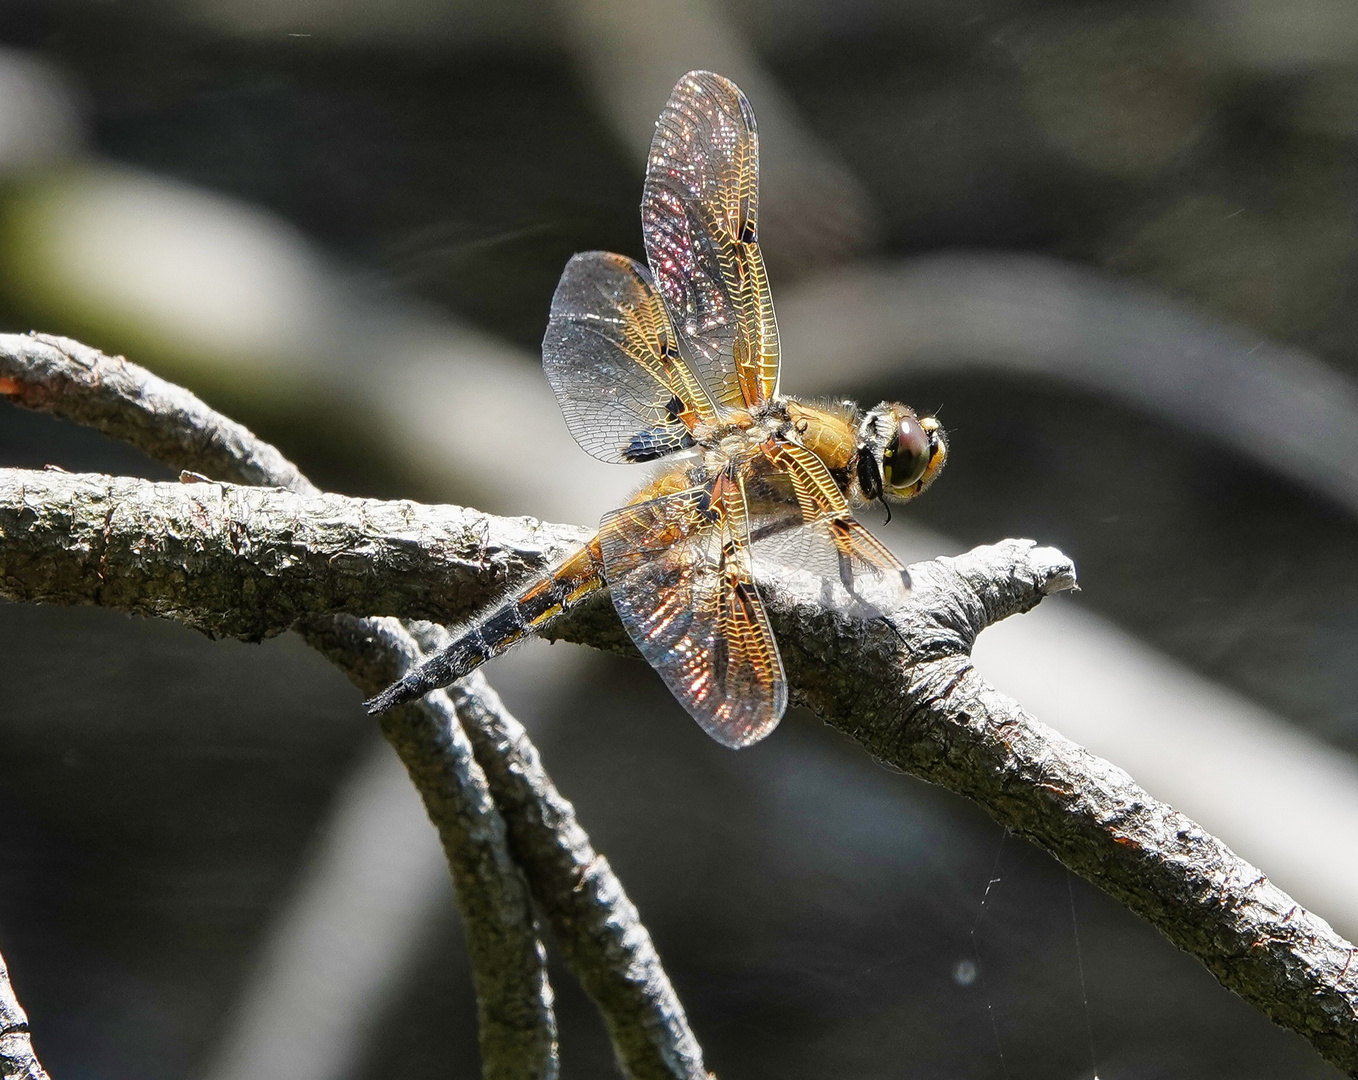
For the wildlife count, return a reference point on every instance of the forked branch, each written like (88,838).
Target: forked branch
(518,1028)
(904,687)
(906,691)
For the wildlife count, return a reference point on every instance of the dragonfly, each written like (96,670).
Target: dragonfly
(677,362)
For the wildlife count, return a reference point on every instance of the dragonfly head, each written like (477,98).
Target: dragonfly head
(899,453)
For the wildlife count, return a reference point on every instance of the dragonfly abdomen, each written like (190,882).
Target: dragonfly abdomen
(499,628)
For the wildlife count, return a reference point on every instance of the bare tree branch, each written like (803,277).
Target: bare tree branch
(649,1029)
(513,995)
(514,998)
(938,719)
(17,1059)
(904,687)
(908,694)
(56,375)
(251,562)
(596,924)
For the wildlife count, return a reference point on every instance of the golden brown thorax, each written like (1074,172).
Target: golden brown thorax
(830,436)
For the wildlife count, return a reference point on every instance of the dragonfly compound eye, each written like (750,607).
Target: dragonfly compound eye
(908,454)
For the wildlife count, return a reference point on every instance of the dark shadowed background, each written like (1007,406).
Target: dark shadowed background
(1114,245)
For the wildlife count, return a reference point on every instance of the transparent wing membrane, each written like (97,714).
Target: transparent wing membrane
(678,569)
(700,220)
(800,523)
(611,357)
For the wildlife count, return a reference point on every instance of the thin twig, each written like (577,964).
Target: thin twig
(509,964)
(596,924)
(17,1059)
(56,375)
(906,691)
(647,1022)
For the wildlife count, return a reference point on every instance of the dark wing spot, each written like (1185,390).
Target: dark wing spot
(657,441)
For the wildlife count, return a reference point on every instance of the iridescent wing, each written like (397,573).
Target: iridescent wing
(700,220)
(613,360)
(801,523)
(678,570)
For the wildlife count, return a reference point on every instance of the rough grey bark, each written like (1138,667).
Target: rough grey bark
(903,687)
(650,1031)
(17,1059)
(938,719)
(251,562)
(514,998)
(593,920)
(509,964)
(56,375)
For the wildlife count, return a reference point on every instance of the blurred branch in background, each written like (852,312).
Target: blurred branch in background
(629,52)
(1035,316)
(906,691)
(361,909)
(17,1059)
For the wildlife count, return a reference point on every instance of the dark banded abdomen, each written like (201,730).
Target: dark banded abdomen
(500,627)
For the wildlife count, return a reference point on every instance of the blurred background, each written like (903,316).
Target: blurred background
(1112,245)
